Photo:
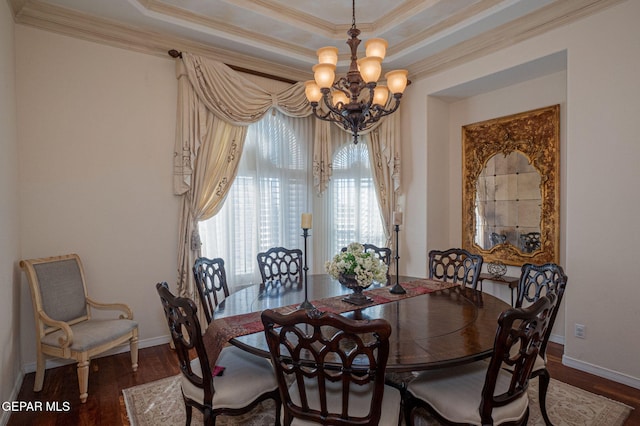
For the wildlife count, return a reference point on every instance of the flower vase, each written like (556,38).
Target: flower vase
(357,297)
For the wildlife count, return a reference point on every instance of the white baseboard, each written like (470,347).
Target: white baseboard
(57,362)
(556,338)
(615,376)
(4,419)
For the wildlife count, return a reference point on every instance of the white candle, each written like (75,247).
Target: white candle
(397,218)
(306,221)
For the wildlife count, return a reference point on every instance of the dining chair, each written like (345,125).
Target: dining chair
(537,281)
(63,318)
(530,242)
(331,369)
(497,238)
(211,282)
(246,380)
(455,265)
(280,266)
(486,393)
(383,253)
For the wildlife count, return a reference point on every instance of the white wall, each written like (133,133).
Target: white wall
(599,198)
(9,218)
(96,129)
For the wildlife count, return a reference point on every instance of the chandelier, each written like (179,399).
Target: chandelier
(355,101)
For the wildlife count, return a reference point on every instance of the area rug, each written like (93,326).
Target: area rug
(160,403)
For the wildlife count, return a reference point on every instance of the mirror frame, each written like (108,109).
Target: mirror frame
(536,134)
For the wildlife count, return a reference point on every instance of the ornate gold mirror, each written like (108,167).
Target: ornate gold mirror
(510,193)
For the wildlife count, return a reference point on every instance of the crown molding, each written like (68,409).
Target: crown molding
(86,27)
(429,34)
(545,19)
(290,16)
(206,25)
(17,6)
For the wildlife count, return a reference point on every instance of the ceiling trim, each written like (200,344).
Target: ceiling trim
(291,16)
(87,27)
(185,18)
(428,35)
(545,19)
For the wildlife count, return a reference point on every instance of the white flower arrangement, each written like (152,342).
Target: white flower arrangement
(366,267)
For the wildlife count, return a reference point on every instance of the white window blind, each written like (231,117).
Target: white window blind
(353,203)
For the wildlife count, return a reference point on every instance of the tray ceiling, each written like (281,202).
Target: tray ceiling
(281,37)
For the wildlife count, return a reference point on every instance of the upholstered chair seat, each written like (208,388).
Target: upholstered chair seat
(240,367)
(359,401)
(455,393)
(92,333)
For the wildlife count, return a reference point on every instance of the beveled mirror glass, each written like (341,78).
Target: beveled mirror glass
(511,187)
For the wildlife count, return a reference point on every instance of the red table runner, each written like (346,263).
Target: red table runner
(221,330)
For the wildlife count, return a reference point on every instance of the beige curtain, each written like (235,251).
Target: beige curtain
(215,104)
(322,156)
(384,154)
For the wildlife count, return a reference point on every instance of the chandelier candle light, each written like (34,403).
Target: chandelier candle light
(356,101)
(305,223)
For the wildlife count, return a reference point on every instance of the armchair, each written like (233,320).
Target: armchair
(64,327)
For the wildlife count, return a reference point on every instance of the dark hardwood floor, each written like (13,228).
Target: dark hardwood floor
(109,375)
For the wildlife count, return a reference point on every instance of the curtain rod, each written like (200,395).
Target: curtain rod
(175,54)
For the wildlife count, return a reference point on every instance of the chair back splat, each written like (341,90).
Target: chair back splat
(211,281)
(455,265)
(535,282)
(331,369)
(280,266)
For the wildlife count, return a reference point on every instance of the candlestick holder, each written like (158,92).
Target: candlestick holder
(306,304)
(397,288)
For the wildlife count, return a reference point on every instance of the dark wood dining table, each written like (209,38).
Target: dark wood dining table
(443,328)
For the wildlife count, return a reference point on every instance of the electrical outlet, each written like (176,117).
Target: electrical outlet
(580,331)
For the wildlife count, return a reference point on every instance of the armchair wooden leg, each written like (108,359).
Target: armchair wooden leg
(133,345)
(40,369)
(83,379)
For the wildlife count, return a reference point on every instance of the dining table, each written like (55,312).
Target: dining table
(434,325)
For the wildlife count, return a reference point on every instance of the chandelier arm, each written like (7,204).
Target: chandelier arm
(381,111)
(330,107)
(342,86)
(324,117)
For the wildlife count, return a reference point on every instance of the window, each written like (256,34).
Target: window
(274,186)
(353,204)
